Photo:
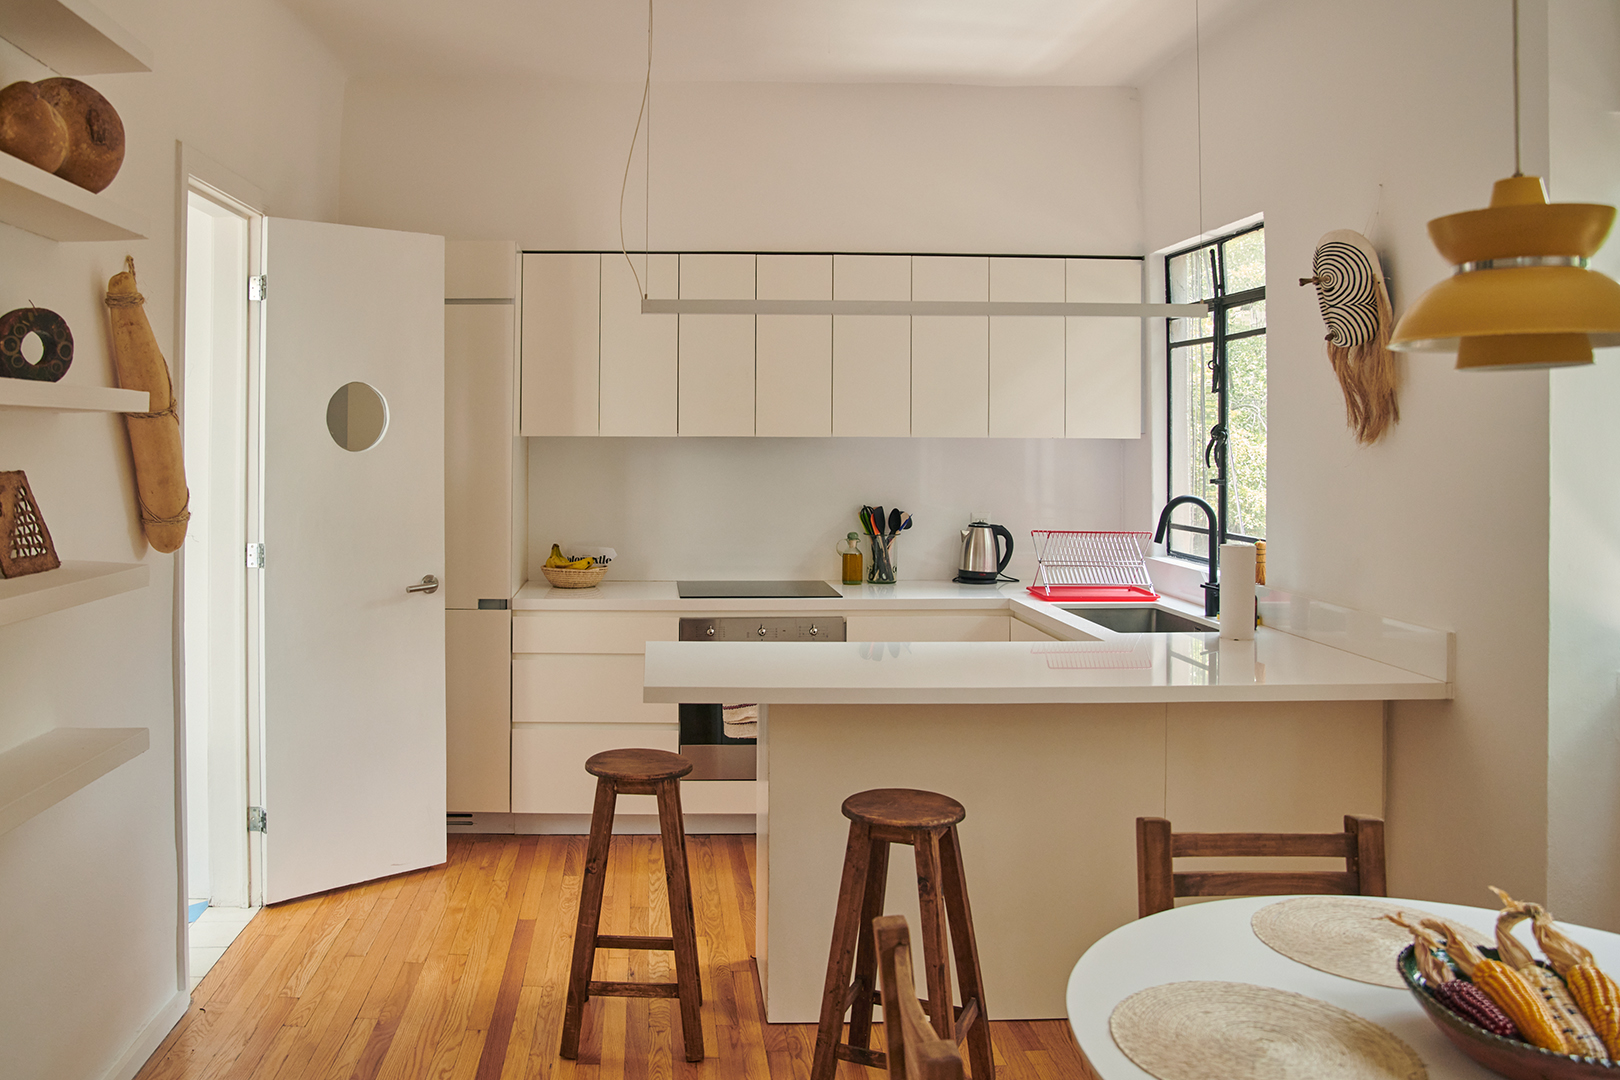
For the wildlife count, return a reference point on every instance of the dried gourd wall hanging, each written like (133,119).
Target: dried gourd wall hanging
(25,542)
(154,437)
(1355,305)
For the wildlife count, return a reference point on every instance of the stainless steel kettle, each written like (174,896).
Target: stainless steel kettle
(982,557)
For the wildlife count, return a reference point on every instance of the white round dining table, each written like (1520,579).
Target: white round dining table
(1213,941)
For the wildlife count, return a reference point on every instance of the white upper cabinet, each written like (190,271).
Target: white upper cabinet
(561,343)
(793,373)
(1104,354)
(950,354)
(639,352)
(716,390)
(1026,351)
(871,353)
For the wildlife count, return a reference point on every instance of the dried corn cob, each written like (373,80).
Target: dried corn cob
(1459,995)
(1592,989)
(1505,986)
(1580,1037)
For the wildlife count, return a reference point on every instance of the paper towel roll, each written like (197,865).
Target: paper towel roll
(1237,592)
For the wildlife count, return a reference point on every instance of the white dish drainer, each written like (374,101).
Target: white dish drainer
(1073,565)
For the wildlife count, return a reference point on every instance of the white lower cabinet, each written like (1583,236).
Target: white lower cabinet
(548,764)
(477,710)
(561,688)
(920,626)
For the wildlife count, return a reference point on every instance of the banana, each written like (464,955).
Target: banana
(556,558)
(583,564)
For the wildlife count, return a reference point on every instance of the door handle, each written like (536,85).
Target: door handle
(430,584)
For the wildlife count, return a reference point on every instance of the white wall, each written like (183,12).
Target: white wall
(776,508)
(90,888)
(771,167)
(1378,116)
(1583,759)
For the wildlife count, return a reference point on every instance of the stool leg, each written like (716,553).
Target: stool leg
(672,830)
(936,954)
(590,916)
(980,1058)
(846,927)
(877,885)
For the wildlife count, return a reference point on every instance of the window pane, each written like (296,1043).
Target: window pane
(1189,329)
(1246,317)
(1246,435)
(1245,261)
(1192,276)
(1193,411)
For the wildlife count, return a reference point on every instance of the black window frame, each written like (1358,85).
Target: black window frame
(1220,305)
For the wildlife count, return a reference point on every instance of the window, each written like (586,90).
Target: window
(1217,384)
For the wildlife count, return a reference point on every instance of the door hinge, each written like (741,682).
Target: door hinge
(255,556)
(258,286)
(257,819)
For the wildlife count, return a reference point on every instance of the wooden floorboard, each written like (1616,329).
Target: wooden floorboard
(459,972)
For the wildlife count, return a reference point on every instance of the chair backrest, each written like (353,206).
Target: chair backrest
(914,1051)
(1361,845)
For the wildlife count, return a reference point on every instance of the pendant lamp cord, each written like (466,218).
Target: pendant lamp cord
(1198,80)
(644,111)
(1518,165)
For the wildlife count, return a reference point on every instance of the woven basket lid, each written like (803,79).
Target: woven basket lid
(1239,1031)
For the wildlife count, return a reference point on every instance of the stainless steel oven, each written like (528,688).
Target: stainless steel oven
(714,754)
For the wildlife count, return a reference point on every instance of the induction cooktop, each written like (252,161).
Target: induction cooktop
(733,590)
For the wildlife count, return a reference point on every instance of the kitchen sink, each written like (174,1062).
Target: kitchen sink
(1133,619)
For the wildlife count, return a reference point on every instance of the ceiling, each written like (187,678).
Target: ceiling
(993,42)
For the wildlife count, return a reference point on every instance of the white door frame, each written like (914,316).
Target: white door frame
(199,174)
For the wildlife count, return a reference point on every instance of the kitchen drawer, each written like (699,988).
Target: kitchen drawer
(548,764)
(570,688)
(989,626)
(719,797)
(548,632)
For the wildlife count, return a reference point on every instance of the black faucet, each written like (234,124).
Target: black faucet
(1212,587)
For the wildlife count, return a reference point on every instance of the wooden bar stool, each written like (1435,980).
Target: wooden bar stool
(927,822)
(636,772)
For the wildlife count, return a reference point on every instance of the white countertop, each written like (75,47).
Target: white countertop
(1127,668)
(1090,664)
(662,596)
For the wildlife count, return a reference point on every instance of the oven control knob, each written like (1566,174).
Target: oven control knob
(813,630)
(710,631)
(761,631)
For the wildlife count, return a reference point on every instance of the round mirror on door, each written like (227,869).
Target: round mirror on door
(357,416)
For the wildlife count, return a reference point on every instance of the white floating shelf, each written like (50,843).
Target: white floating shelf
(69,585)
(72,37)
(38,202)
(27,394)
(42,772)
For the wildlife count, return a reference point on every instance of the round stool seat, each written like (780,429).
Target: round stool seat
(903,808)
(637,764)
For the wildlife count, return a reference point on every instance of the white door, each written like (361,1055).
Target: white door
(352,665)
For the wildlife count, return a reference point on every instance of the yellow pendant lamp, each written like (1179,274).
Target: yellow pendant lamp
(1521,296)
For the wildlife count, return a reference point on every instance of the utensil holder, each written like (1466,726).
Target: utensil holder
(881,571)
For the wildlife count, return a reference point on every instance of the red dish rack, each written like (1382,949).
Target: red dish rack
(1092,566)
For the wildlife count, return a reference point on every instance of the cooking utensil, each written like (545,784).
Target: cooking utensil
(894,521)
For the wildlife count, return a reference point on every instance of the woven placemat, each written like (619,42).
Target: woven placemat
(1342,935)
(1238,1031)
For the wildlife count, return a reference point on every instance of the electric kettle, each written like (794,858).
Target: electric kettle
(982,557)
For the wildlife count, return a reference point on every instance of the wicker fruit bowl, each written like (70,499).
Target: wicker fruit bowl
(1511,1058)
(566,578)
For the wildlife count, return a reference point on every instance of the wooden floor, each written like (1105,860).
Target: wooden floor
(459,971)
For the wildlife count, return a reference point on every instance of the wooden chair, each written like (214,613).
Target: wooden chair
(1361,846)
(915,1052)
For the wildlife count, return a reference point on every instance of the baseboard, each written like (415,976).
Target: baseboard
(580,824)
(151,1037)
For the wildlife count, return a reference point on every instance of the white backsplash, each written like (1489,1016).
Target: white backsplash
(777,508)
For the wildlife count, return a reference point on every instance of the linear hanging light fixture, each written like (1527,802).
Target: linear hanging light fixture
(850,307)
(1521,296)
